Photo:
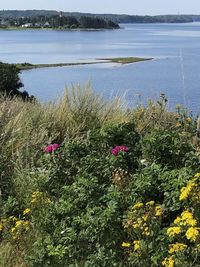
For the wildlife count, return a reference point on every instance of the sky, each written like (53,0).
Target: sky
(140,7)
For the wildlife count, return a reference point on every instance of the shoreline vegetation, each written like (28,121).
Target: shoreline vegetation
(42,16)
(120,60)
(58,22)
(90,182)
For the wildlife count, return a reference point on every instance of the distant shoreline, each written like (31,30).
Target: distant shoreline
(120,60)
(55,29)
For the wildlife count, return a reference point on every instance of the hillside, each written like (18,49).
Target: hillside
(85,182)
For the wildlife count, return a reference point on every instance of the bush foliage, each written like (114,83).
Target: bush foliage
(87,183)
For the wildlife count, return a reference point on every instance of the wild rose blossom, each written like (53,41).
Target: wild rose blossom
(117,149)
(51,148)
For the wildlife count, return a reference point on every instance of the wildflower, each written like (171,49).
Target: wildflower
(136,244)
(150,203)
(192,233)
(178,124)
(173,248)
(146,231)
(51,148)
(19,223)
(172,231)
(197,175)
(26,211)
(138,205)
(168,262)
(117,149)
(158,211)
(185,191)
(187,218)
(13,229)
(1,226)
(36,196)
(126,245)
(189,120)
(145,217)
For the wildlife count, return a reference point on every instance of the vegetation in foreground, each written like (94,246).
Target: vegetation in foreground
(90,183)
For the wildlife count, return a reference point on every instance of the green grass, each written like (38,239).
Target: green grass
(127,60)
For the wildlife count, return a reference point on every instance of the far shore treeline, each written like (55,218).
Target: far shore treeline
(56,22)
(47,15)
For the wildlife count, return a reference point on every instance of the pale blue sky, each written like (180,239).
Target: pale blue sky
(151,7)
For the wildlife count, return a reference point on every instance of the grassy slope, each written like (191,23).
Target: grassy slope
(26,128)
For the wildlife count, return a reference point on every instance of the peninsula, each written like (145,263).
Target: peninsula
(120,60)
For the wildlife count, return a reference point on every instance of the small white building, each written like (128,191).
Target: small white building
(46,25)
(27,25)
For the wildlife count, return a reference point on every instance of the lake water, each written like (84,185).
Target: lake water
(175,69)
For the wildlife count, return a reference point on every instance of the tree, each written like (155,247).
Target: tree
(10,82)
(9,78)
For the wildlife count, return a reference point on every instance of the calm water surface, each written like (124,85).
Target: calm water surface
(174,71)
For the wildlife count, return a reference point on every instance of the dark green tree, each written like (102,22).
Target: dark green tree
(9,78)
(10,82)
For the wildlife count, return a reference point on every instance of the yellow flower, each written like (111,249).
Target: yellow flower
(187,218)
(172,231)
(197,175)
(150,203)
(146,231)
(178,220)
(138,205)
(47,200)
(168,262)
(136,244)
(192,233)
(19,223)
(176,247)
(40,197)
(158,210)
(178,124)
(185,191)
(145,217)
(126,245)
(1,226)
(189,120)
(136,225)
(13,229)
(26,211)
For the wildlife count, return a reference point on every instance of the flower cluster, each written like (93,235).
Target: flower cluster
(168,262)
(177,247)
(117,149)
(143,221)
(51,148)
(20,227)
(135,245)
(191,190)
(40,197)
(26,211)
(186,224)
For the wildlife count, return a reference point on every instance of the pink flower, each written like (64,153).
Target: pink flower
(51,148)
(117,149)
